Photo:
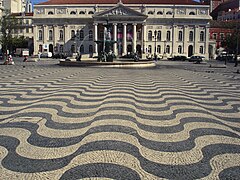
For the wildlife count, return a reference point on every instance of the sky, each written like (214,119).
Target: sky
(38,1)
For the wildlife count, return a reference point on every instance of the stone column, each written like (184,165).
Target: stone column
(174,40)
(95,39)
(115,38)
(35,39)
(66,38)
(134,38)
(45,33)
(124,39)
(196,39)
(206,49)
(55,37)
(144,37)
(185,40)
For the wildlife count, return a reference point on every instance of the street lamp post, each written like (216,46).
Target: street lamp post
(155,50)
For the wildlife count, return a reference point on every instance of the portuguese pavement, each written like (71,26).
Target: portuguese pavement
(176,121)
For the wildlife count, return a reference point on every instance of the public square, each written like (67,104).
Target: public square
(179,120)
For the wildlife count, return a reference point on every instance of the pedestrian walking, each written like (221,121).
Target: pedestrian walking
(39,56)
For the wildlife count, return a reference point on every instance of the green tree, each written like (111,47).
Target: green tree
(8,24)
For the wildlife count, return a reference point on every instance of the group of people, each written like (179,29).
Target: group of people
(9,60)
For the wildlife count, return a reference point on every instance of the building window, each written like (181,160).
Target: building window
(27,21)
(40,35)
(180,36)
(81,35)
(50,35)
(90,49)
(180,49)
(222,36)
(27,30)
(82,49)
(159,35)
(149,35)
(40,48)
(214,36)
(201,50)
(61,48)
(139,35)
(168,36)
(50,13)
(73,48)
(159,13)
(72,34)
(168,49)
(73,12)
(159,49)
(90,12)
(150,49)
(191,36)
(81,12)
(192,13)
(61,35)
(90,34)
(201,36)
(150,12)
(101,35)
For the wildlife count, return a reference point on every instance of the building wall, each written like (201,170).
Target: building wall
(60,18)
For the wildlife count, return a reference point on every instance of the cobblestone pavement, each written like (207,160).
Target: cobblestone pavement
(176,121)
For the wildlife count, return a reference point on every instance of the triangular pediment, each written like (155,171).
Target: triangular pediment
(119,10)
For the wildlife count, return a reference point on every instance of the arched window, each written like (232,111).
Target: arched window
(180,36)
(72,34)
(159,13)
(168,49)
(191,36)
(81,12)
(50,35)
(81,35)
(90,49)
(73,12)
(40,35)
(61,35)
(159,49)
(82,49)
(150,12)
(159,35)
(149,35)
(201,49)
(192,13)
(149,49)
(50,13)
(40,48)
(201,36)
(61,48)
(169,13)
(90,35)
(90,12)
(180,49)
(168,36)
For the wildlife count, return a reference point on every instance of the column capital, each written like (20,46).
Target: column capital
(186,26)
(95,24)
(114,24)
(124,24)
(134,24)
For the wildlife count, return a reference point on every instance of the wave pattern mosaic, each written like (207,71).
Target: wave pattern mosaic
(73,123)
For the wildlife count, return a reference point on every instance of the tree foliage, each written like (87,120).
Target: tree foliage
(8,24)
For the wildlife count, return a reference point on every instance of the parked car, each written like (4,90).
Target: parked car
(195,59)
(179,58)
(46,55)
(59,56)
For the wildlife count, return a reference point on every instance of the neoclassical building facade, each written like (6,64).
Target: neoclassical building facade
(146,27)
